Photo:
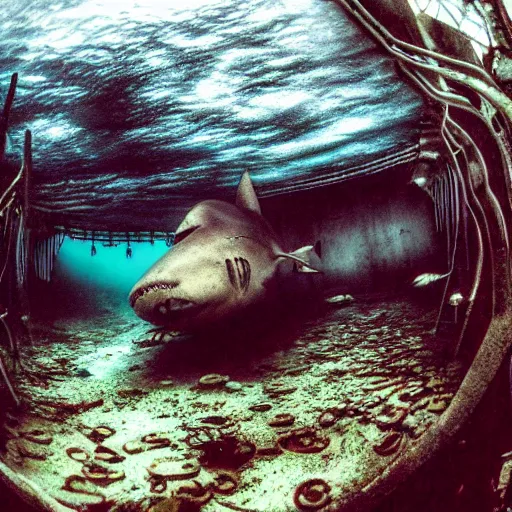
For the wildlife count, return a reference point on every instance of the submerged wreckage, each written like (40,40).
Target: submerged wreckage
(337,413)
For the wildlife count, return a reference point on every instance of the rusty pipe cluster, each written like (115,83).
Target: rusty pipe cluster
(472,199)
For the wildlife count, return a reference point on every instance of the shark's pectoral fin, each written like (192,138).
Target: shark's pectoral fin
(302,268)
(306,258)
(246,196)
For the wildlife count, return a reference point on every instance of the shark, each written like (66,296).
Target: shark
(226,258)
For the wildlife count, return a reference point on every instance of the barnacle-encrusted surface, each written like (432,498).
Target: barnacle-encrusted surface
(292,421)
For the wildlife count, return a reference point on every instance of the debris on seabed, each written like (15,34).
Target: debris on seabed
(360,385)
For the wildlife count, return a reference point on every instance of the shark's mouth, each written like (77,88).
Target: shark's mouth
(140,292)
(159,307)
(173,306)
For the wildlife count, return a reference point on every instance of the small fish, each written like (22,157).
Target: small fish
(426,279)
(225,259)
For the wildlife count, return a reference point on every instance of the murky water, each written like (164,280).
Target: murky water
(138,109)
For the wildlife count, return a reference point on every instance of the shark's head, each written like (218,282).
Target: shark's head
(222,260)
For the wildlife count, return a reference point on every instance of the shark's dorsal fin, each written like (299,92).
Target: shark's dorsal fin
(245,195)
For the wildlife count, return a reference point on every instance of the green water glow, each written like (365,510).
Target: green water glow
(109,267)
(106,278)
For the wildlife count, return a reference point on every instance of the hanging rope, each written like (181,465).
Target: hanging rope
(128,249)
(431,70)
(45,255)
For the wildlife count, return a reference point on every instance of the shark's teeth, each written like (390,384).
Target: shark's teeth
(139,292)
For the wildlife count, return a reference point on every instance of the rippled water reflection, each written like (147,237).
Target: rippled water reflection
(164,99)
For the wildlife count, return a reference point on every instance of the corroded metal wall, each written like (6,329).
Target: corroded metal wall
(376,234)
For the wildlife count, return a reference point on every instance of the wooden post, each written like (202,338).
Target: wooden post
(4,119)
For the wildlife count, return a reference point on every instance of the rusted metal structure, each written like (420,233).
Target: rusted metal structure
(469,181)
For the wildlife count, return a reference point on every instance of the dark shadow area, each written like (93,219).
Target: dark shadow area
(12,502)
(461,478)
(234,349)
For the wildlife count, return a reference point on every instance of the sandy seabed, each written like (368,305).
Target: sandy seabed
(119,421)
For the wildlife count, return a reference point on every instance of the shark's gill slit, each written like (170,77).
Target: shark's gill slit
(239,270)
(243,268)
(247,273)
(231,273)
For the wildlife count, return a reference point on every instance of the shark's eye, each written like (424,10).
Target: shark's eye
(178,237)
